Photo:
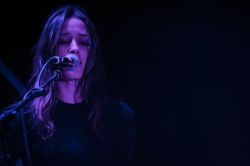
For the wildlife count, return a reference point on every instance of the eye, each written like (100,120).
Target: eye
(64,41)
(84,43)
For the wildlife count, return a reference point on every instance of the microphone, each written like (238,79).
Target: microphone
(71,61)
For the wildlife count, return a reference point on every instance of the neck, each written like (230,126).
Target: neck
(67,91)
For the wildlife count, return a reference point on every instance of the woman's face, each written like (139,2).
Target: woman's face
(74,39)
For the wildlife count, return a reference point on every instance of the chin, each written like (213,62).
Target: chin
(71,77)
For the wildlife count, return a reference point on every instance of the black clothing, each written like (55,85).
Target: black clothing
(73,143)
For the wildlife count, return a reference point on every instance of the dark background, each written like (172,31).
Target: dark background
(183,66)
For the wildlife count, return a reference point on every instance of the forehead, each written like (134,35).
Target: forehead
(74,25)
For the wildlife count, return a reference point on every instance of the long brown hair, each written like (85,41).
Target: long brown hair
(90,87)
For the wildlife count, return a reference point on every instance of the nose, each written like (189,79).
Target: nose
(73,47)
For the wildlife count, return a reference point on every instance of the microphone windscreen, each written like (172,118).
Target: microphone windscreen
(73,61)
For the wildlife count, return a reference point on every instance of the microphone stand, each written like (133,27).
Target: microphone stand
(8,114)
(30,95)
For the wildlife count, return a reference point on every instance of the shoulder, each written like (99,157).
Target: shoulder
(117,113)
(119,108)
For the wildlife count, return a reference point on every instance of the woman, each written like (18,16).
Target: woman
(74,123)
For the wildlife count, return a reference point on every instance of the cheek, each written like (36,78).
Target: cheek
(62,51)
(84,58)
